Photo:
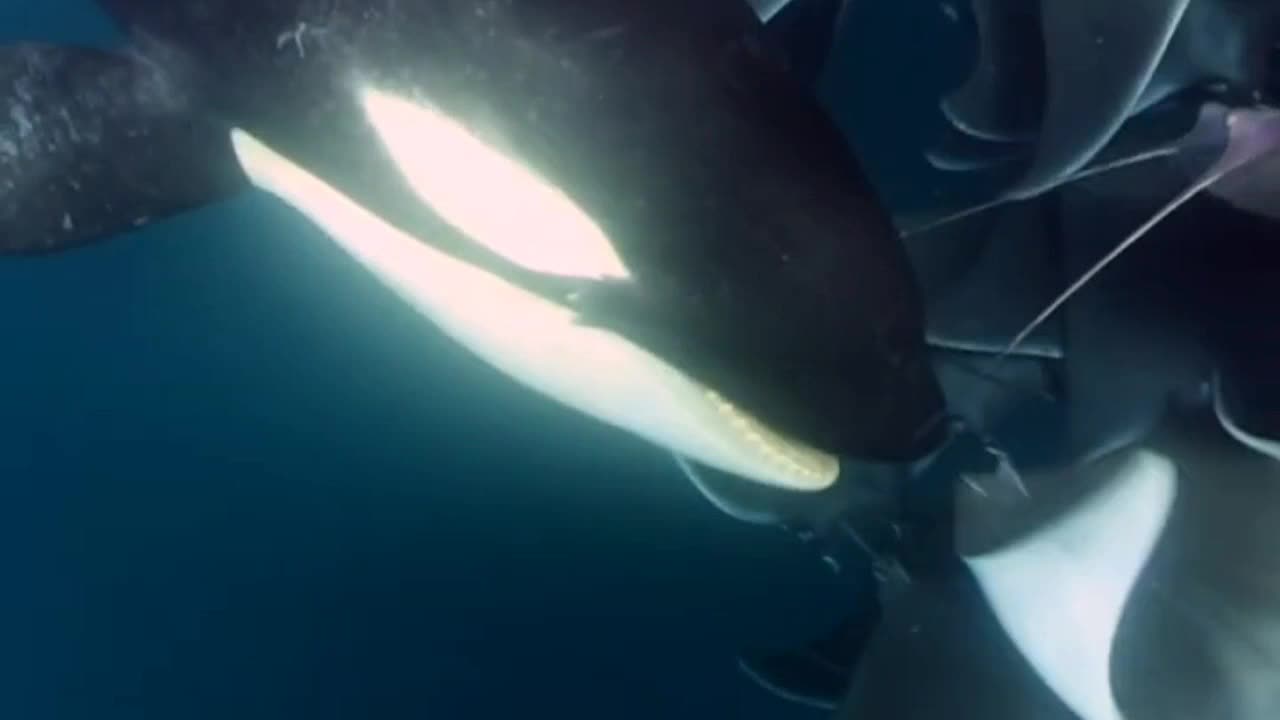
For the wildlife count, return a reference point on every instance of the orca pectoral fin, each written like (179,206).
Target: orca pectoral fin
(94,143)
(741,500)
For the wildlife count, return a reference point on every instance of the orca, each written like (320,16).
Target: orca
(634,208)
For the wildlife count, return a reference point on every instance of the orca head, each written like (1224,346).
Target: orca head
(635,208)
(533,340)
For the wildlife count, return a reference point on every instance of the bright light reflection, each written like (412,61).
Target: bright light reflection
(490,197)
(539,343)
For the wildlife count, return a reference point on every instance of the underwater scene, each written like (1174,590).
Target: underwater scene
(742,359)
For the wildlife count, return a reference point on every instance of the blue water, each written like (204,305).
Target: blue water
(239,479)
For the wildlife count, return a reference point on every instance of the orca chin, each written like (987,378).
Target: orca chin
(539,343)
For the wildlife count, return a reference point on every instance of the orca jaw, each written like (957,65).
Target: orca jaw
(533,340)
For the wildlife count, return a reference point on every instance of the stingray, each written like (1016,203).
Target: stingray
(1138,585)
(1230,153)
(1117,357)
(1094,65)
(1138,582)
(1244,175)
(1161,583)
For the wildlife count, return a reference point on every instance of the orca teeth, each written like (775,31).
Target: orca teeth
(795,457)
(541,344)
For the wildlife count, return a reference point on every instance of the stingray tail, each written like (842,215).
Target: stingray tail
(94,143)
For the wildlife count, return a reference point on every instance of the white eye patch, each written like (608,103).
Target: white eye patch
(539,343)
(491,198)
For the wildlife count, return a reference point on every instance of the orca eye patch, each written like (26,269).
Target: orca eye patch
(490,197)
(540,343)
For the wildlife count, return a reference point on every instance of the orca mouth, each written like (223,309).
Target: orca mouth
(540,343)
(799,459)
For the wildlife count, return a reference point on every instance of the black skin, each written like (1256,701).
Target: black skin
(763,262)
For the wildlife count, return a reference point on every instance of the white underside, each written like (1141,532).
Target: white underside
(536,342)
(1059,594)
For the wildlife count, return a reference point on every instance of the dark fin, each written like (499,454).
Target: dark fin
(806,30)
(957,151)
(96,143)
(818,674)
(1099,57)
(1003,97)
